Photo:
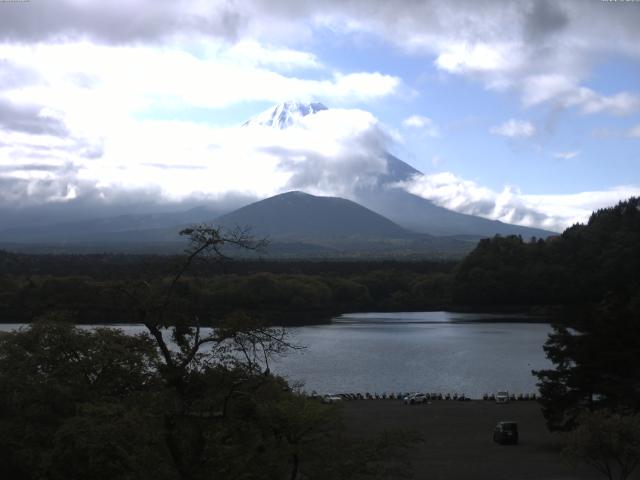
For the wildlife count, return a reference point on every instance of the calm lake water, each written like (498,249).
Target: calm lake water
(418,351)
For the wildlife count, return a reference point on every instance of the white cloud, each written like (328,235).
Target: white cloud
(203,55)
(623,103)
(634,132)
(542,49)
(538,89)
(512,46)
(554,212)
(424,124)
(76,128)
(565,91)
(514,129)
(81,79)
(475,58)
(605,132)
(331,152)
(282,58)
(567,155)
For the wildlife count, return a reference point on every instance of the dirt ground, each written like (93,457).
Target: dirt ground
(458,439)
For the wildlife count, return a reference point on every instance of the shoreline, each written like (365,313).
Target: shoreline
(501,314)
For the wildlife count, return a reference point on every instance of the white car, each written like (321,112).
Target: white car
(502,397)
(415,398)
(331,398)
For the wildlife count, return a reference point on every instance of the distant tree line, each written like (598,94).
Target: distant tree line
(283,293)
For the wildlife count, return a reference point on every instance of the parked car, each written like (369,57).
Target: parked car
(415,398)
(330,398)
(502,397)
(506,433)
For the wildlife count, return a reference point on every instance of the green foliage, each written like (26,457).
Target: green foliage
(53,380)
(608,442)
(595,363)
(77,403)
(580,266)
(106,441)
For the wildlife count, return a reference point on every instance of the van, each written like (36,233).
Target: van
(506,433)
(502,397)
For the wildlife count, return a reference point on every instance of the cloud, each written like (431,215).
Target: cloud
(160,164)
(76,86)
(82,79)
(544,19)
(544,50)
(30,119)
(514,129)
(553,212)
(464,57)
(567,155)
(283,58)
(426,125)
(333,152)
(564,91)
(118,21)
(604,132)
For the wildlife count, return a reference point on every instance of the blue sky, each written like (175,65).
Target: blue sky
(529,106)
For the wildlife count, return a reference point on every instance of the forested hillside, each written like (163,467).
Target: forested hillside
(581,265)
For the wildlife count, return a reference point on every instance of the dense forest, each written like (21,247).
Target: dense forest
(580,266)
(91,287)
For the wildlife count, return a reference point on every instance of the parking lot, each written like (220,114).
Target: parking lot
(458,439)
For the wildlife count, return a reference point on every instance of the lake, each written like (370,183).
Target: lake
(416,351)
(419,351)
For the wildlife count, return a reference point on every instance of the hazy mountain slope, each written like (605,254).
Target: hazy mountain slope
(297,224)
(124,228)
(421,215)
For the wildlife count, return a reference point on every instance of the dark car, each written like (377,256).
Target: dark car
(506,433)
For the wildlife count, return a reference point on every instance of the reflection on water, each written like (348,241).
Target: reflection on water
(435,317)
(413,351)
(421,351)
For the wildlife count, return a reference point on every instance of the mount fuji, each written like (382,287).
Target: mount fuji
(385,197)
(284,114)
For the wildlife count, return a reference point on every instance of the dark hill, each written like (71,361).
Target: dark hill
(300,215)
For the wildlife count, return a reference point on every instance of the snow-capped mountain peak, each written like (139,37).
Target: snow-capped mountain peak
(284,114)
